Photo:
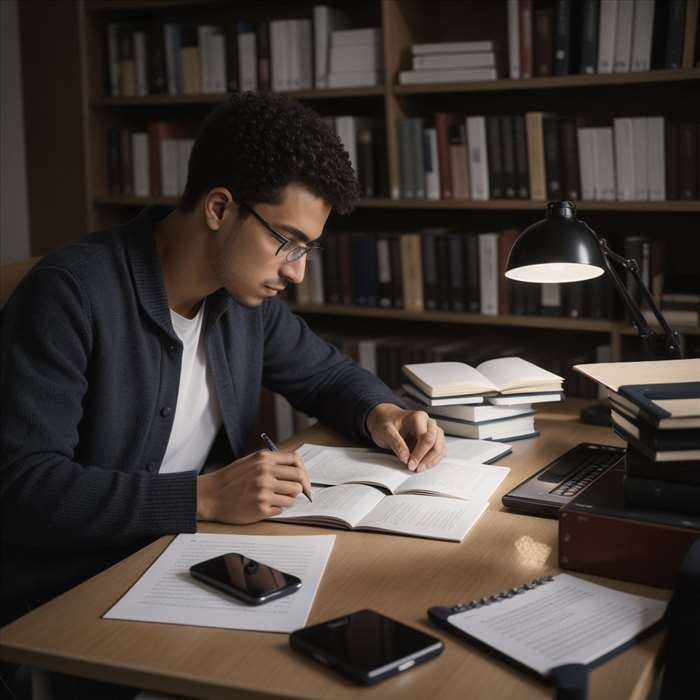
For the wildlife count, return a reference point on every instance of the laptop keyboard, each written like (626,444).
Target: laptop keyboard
(593,464)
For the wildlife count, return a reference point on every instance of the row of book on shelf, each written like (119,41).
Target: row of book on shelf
(543,156)
(655,409)
(443,269)
(186,58)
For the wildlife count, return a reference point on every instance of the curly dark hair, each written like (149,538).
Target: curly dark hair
(257,144)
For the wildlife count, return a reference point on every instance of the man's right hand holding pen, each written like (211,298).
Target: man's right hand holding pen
(252,488)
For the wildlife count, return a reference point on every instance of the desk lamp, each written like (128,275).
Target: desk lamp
(562,248)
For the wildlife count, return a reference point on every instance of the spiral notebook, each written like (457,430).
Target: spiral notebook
(553,621)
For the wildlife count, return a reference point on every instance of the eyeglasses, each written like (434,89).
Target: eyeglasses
(294,251)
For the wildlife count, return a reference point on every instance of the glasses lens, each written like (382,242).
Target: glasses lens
(298,253)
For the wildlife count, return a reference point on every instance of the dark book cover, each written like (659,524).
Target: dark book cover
(658,455)
(156,70)
(543,42)
(657,439)
(126,160)
(493,148)
(662,495)
(574,301)
(634,249)
(659,35)
(365,282)
(381,161)
(431,289)
(571,177)
(457,277)
(602,535)
(262,46)
(672,160)
(639,465)
(567,37)
(533,299)
(114,171)
(396,272)
(508,156)
(526,38)
(517,297)
(522,171)
(443,269)
(331,278)
(419,157)
(589,36)
(688,160)
(552,157)
(674,33)
(406,159)
(596,297)
(384,271)
(471,260)
(443,122)
(506,239)
(365,161)
(345,266)
(231,33)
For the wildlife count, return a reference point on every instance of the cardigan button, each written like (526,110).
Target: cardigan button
(173,347)
(166,411)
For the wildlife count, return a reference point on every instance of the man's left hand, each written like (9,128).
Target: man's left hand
(413,436)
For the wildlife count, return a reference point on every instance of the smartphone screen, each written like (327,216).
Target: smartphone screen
(366,645)
(246,579)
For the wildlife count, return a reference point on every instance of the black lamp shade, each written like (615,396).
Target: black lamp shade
(560,248)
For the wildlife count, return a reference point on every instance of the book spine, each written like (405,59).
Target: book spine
(412,272)
(114,176)
(508,157)
(139,148)
(455,259)
(406,159)
(459,167)
(384,272)
(365,282)
(419,155)
(606,35)
(478,158)
(126,159)
(331,289)
(589,36)
(660,34)
(692,29)
(675,33)
(231,58)
(471,263)
(688,161)
(662,495)
(551,299)
(157,72)
(641,175)
(443,122)
(552,158)
(506,239)
(562,39)
(522,173)
(345,257)
(656,152)
(672,160)
(642,29)
(493,144)
(365,162)
(432,174)
(543,42)
(513,40)
(430,271)
(526,55)
(535,155)
(623,37)
(113,58)
(141,63)
(638,465)
(488,273)
(623,548)
(264,60)
(396,271)
(605,174)
(624,159)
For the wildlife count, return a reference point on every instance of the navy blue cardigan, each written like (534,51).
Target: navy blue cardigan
(89,375)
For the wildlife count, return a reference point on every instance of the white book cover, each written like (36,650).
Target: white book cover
(326,19)
(140,63)
(586,150)
(355,79)
(355,37)
(488,273)
(606,35)
(293,54)
(642,30)
(453,47)
(247,61)
(314,270)
(508,429)
(641,166)
(346,129)
(482,59)
(656,158)
(514,39)
(278,55)
(367,354)
(184,148)
(550,296)
(529,398)
(481,413)
(169,178)
(623,36)
(345,59)
(306,58)
(432,171)
(140,170)
(204,31)
(605,165)
(284,418)
(624,159)
(217,44)
(113,56)
(478,158)
(454,75)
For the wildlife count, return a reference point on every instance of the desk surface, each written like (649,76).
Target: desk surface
(399,576)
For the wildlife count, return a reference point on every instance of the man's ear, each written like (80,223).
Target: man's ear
(218,207)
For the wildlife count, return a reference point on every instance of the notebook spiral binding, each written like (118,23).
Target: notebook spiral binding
(497,597)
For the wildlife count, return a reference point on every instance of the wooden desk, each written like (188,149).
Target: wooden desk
(399,576)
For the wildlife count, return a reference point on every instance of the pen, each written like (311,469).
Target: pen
(273,448)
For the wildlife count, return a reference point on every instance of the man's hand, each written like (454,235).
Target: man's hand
(414,436)
(251,488)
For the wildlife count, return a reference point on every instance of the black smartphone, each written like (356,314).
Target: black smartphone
(246,579)
(366,646)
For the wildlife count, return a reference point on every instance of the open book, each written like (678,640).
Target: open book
(504,375)
(458,493)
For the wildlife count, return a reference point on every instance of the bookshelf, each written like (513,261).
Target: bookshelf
(84,111)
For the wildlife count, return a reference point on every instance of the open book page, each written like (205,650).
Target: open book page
(167,593)
(425,516)
(567,620)
(513,374)
(342,505)
(613,375)
(457,479)
(448,378)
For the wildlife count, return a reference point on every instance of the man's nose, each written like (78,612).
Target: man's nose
(293,271)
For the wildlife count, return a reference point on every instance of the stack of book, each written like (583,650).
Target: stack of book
(655,409)
(448,62)
(356,58)
(492,401)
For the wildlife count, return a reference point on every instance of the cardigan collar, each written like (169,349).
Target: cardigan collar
(148,274)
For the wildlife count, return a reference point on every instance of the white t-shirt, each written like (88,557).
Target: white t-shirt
(197,416)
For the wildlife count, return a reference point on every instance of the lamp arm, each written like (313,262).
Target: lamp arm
(664,347)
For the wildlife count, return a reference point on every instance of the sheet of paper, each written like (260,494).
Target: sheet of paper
(425,516)
(167,593)
(458,479)
(330,467)
(347,502)
(568,620)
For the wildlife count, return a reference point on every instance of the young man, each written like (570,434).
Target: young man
(134,358)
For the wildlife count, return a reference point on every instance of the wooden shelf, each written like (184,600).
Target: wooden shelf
(554,82)
(133,5)
(683,330)
(215,98)
(585,324)
(494,204)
